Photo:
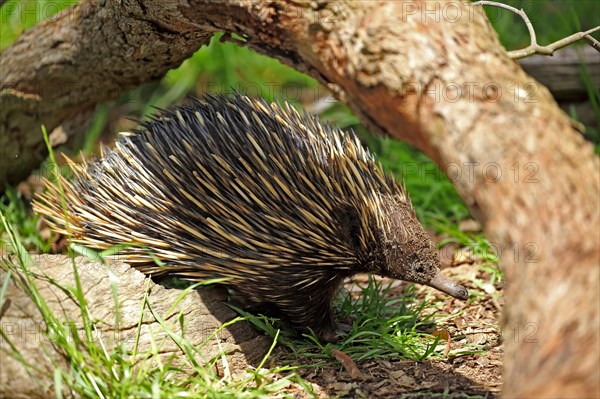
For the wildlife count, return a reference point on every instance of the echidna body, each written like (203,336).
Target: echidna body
(238,188)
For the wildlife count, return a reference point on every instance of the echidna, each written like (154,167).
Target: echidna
(238,188)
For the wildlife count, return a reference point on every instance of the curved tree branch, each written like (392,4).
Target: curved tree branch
(534,47)
(432,73)
(85,55)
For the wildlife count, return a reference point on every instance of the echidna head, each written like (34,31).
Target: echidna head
(403,250)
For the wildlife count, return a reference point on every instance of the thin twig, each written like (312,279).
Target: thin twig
(593,42)
(534,47)
(551,48)
(520,13)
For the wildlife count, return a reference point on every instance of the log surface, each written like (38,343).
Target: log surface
(203,313)
(432,73)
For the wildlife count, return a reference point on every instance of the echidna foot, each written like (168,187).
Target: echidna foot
(328,334)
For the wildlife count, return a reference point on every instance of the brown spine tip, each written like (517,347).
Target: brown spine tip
(448,286)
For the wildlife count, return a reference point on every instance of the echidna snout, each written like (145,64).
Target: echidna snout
(280,205)
(444,284)
(408,253)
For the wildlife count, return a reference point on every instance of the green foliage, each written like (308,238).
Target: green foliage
(19,15)
(552,20)
(92,370)
(592,133)
(383,325)
(17,214)
(224,66)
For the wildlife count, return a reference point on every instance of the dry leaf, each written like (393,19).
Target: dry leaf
(403,379)
(460,323)
(482,361)
(477,339)
(347,362)
(343,388)
(444,335)
(489,288)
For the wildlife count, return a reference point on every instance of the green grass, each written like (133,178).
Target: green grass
(383,325)
(17,214)
(94,371)
(552,20)
(18,15)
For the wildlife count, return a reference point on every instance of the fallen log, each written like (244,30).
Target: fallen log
(203,312)
(432,73)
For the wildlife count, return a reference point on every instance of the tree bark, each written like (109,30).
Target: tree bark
(429,72)
(85,55)
(203,313)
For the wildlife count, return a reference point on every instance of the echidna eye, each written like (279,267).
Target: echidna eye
(420,269)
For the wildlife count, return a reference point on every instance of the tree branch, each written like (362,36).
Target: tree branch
(534,47)
(441,82)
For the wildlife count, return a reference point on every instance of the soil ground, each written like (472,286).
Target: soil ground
(470,376)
